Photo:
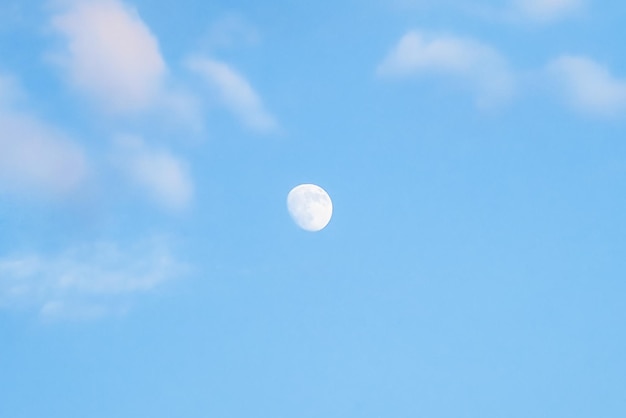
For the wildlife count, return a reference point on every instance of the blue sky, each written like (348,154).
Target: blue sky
(473,267)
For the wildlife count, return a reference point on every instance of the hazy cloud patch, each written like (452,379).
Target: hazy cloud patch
(478,65)
(86,281)
(35,157)
(510,11)
(10,91)
(588,85)
(230,31)
(545,10)
(164,176)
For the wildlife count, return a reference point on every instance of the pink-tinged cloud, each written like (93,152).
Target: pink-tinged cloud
(110,54)
(35,157)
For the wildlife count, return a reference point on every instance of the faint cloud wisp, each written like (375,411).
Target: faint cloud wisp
(162,175)
(545,10)
(230,31)
(509,11)
(85,282)
(479,66)
(35,157)
(235,92)
(588,85)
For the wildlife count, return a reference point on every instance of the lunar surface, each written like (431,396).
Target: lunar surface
(310,207)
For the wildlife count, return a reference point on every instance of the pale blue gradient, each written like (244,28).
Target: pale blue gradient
(474,265)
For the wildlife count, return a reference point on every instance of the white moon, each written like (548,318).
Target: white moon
(310,207)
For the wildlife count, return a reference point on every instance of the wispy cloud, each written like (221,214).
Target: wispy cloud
(545,10)
(509,11)
(164,177)
(35,157)
(235,92)
(588,85)
(87,281)
(481,67)
(10,91)
(231,30)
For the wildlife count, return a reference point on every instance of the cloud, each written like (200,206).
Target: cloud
(588,85)
(546,10)
(10,91)
(478,65)
(235,92)
(162,175)
(35,156)
(85,282)
(110,54)
(230,31)
(509,11)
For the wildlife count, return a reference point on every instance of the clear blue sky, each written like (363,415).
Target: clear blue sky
(474,266)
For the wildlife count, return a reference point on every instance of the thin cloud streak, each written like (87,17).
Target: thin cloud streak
(235,93)
(541,12)
(87,281)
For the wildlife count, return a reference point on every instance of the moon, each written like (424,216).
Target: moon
(310,207)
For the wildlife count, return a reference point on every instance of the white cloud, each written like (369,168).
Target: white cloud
(478,65)
(588,85)
(235,92)
(111,54)
(164,176)
(546,10)
(84,282)
(34,156)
